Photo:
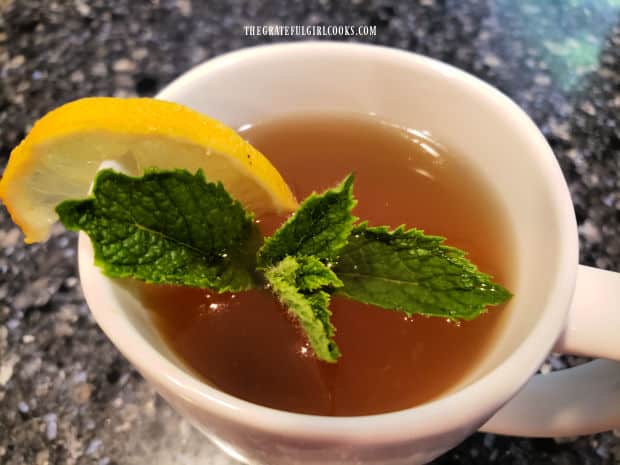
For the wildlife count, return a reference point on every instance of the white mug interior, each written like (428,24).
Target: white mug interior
(411,91)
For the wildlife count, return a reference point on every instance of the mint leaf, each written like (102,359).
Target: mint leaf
(313,275)
(302,285)
(409,271)
(167,227)
(320,227)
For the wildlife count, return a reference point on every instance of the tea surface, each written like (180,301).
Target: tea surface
(246,344)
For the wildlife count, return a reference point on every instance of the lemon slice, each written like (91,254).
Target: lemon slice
(60,156)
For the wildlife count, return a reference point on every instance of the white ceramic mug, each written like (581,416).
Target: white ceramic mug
(459,111)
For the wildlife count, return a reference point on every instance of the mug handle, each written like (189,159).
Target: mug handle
(580,400)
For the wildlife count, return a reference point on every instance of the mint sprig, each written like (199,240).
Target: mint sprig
(172,227)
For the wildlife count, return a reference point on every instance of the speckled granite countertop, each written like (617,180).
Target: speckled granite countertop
(66,395)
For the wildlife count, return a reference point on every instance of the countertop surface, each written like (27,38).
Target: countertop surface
(66,394)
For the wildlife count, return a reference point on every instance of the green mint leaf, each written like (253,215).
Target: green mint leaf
(409,271)
(319,228)
(167,227)
(303,284)
(313,274)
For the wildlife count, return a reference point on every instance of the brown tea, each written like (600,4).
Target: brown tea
(246,345)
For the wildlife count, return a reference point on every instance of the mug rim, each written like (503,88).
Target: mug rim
(491,390)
